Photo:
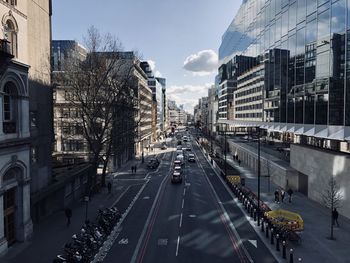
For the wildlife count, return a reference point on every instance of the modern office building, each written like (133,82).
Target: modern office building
(70,146)
(303,48)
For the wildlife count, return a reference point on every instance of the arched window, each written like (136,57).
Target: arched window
(11,35)
(9,108)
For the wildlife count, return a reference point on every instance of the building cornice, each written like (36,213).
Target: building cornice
(12,8)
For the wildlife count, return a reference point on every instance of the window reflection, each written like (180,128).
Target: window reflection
(308,52)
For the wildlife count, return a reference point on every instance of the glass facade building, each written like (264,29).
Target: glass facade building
(305,48)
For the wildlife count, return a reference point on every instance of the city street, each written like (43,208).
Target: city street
(195,221)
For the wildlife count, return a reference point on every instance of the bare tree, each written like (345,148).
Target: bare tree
(332,198)
(100,85)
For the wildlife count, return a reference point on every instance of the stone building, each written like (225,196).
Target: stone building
(25,115)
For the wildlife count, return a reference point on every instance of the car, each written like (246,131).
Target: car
(188,149)
(191,158)
(179,142)
(176,178)
(178,163)
(178,169)
(163,147)
(153,163)
(179,147)
(179,152)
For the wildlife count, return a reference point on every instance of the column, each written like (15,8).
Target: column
(27,221)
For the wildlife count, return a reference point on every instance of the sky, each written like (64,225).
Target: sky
(180,38)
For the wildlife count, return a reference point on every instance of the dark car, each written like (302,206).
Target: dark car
(191,158)
(163,147)
(153,163)
(176,178)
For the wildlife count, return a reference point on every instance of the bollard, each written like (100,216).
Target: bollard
(262,225)
(291,256)
(272,239)
(278,242)
(267,231)
(251,210)
(254,214)
(284,250)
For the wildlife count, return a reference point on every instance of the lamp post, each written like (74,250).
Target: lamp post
(225,150)
(259,174)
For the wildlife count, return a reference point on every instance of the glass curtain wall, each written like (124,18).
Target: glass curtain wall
(309,66)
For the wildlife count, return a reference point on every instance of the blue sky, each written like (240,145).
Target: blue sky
(182,37)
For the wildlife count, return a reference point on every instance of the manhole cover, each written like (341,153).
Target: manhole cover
(162,242)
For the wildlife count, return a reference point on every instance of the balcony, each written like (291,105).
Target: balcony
(9,127)
(5,49)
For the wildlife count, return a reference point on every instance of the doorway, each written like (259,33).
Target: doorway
(10,215)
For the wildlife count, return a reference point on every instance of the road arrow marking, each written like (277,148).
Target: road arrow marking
(254,243)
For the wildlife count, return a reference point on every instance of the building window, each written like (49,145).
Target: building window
(12,2)
(11,36)
(9,108)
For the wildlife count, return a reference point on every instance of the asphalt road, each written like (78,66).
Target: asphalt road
(196,221)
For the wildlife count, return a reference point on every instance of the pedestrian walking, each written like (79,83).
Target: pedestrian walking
(335,216)
(239,162)
(277,196)
(109,186)
(68,213)
(283,193)
(135,168)
(290,193)
(132,169)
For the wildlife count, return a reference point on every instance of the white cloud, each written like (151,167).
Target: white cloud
(203,63)
(152,64)
(153,67)
(157,74)
(187,94)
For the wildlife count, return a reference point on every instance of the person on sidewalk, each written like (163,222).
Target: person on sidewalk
(135,168)
(109,186)
(283,193)
(239,162)
(277,196)
(132,169)
(68,213)
(290,193)
(335,216)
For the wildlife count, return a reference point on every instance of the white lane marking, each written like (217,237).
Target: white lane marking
(123,241)
(184,192)
(139,243)
(192,216)
(223,210)
(183,202)
(180,220)
(107,245)
(177,246)
(146,197)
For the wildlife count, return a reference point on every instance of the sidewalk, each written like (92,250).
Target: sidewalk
(50,235)
(315,245)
